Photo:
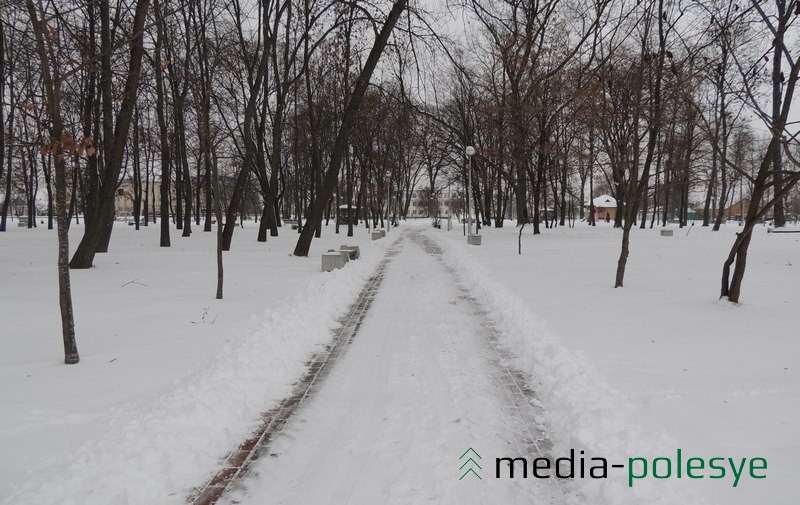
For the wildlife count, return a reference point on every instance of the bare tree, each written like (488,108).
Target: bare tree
(348,120)
(97,233)
(777,24)
(63,146)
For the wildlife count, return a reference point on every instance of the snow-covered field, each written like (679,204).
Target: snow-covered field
(170,379)
(699,374)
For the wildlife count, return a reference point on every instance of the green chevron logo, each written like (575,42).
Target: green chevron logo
(468,466)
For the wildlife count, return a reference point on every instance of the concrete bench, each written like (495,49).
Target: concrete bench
(353,251)
(666,233)
(474,239)
(333,260)
(377,235)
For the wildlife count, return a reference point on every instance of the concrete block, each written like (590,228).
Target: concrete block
(474,239)
(334,260)
(666,233)
(353,250)
(383,233)
(376,235)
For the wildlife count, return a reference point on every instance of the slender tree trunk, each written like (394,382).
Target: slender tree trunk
(146,202)
(637,185)
(592,217)
(73,199)
(2,115)
(47,164)
(711,183)
(137,173)
(198,189)
(59,143)
(520,163)
(348,120)
(184,189)
(563,201)
(162,128)
(178,182)
(209,207)
(777,84)
(218,212)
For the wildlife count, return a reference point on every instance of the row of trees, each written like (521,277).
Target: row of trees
(293,108)
(263,96)
(668,104)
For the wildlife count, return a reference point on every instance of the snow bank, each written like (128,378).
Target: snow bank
(582,411)
(155,449)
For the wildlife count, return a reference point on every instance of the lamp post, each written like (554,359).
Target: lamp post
(470,151)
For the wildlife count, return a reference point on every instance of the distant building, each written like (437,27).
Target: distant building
(605,208)
(737,211)
(123,199)
(445,203)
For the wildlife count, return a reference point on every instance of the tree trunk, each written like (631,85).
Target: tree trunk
(637,185)
(184,189)
(207,185)
(235,204)
(146,202)
(137,174)
(777,84)
(731,286)
(97,235)
(52,87)
(348,120)
(2,117)
(162,128)
(218,212)
(625,251)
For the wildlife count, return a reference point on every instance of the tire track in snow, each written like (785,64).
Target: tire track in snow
(238,462)
(530,438)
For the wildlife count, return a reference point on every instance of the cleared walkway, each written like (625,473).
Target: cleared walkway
(419,384)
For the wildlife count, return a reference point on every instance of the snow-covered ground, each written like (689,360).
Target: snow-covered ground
(699,374)
(171,379)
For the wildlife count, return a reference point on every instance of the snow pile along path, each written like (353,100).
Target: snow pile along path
(582,411)
(156,448)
